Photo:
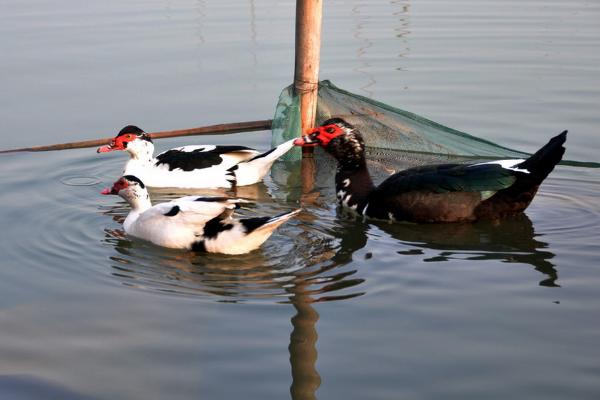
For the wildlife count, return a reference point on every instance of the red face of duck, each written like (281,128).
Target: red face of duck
(118,143)
(320,136)
(124,137)
(116,187)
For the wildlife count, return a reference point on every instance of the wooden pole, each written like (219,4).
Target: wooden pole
(306,76)
(308,48)
(220,129)
(303,349)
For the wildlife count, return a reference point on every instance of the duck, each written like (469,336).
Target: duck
(196,223)
(432,193)
(194,166)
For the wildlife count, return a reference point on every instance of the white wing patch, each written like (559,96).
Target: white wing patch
(506,164)
(486,194)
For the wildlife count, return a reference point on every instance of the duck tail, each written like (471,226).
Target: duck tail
(241,236)
(266,224)
(259,229)
(545,159)
(255,169)
(530,174)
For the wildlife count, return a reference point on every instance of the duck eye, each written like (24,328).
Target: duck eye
(330,130)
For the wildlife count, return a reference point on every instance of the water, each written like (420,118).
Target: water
(330,306)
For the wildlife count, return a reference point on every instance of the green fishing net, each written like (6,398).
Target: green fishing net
(386,129)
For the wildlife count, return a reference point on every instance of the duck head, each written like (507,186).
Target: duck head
(339,138)
(131,139)
(132,190)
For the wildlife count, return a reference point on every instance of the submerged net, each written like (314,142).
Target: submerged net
(385,127)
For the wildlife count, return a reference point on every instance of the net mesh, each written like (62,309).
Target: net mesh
(385,127)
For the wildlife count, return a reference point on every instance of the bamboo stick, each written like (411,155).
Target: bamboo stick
(308,47)
(306,77)
(219,129)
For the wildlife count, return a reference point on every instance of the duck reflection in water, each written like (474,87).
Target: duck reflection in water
(302,255)
(511,240)
(316,255)
(311,262)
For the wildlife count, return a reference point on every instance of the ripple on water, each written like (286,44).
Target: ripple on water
(311,256)
(567,207)
(298,260)
(308,257)
(53,213)
(80,180)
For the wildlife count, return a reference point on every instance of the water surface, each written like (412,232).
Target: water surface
(331,306)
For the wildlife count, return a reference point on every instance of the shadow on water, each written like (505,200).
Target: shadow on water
(315,251)
(310,261)
(316,258)
(272,272)
(511,240)
(300,254)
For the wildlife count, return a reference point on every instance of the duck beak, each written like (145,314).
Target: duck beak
(111,190)
(299,142)
(106,149)
(306,141)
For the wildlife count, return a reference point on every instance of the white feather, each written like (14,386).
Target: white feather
(254,170)
(506,164)
(251,169)
(179,224)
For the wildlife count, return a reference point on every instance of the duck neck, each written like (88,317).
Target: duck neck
(353,184)
(139,203)
(142,204)
(141,151)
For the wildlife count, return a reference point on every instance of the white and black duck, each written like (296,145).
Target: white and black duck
(433,193)
(201,166)
(193,222)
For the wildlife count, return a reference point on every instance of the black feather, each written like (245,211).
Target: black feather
(251,224)
(134,178)
(212,199)
(199,246)
(449,178)
(172,212)
(130,129)
(134,130)
(197,159)
(214,227)
(266,153)
(545,159)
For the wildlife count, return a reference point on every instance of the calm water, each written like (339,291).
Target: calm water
(330,307)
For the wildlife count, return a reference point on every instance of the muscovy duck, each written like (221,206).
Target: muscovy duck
(193,222)
(433,193)
(202,166)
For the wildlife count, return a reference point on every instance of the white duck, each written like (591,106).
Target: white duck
(193,222)
(203,166)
